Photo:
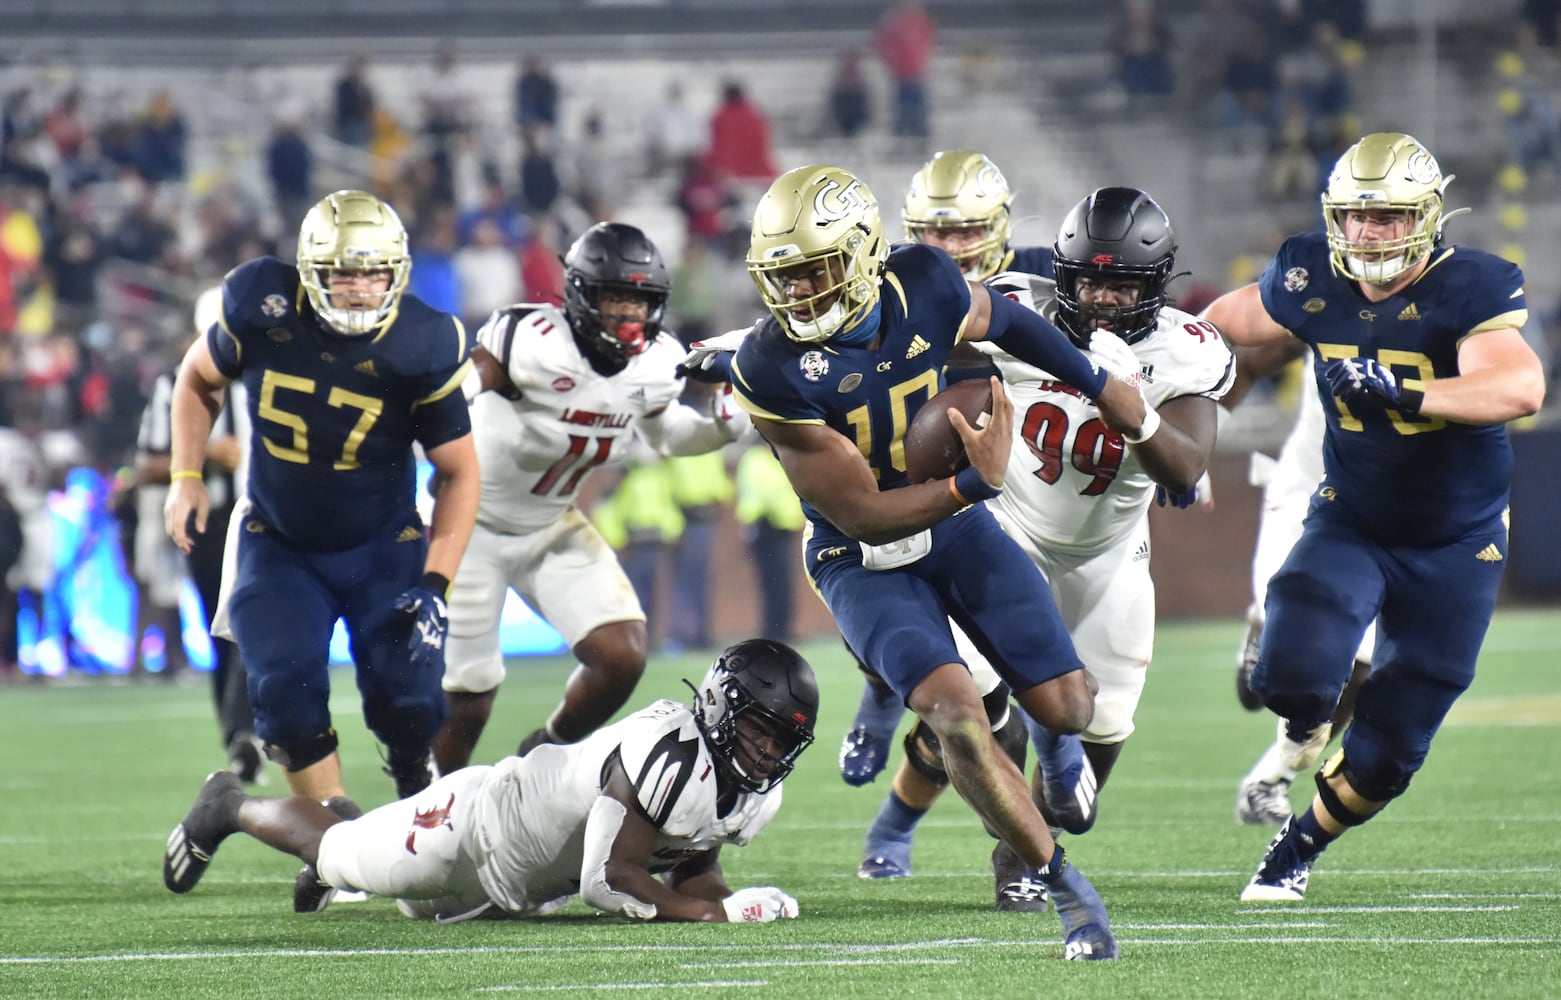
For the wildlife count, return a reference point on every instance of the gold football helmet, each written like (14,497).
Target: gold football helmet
(1387,171)
(817,225)
(959,189)
(353,231)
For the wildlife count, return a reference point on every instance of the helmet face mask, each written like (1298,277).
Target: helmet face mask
(610,269)
(757,707)
(1385,172)
(344,236)
(958,201)
(1114,239)
(821,224)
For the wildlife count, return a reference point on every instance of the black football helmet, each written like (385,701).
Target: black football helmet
(1114,234)
(757,688)
(611,255)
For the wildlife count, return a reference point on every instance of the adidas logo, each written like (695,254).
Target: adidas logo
(367,368)
(409,534)
(1410,312)
(918,346)
(1489,554)
(1143,551)
(638,394)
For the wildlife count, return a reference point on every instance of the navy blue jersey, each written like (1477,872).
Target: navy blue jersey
(870,395)
(1030,260)
(334,417)
(1403,477)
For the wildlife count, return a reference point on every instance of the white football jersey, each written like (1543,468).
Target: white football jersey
(1072,483)
(565,419)
(532,811)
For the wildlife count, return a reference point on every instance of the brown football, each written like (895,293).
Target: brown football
(933,449)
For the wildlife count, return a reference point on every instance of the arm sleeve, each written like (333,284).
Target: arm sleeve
(1033,339)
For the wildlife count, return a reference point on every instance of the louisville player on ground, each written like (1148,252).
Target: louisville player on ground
(656,794)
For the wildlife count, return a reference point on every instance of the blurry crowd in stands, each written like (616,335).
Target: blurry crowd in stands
(107,231)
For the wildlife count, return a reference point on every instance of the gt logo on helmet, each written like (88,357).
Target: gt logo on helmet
(847,201)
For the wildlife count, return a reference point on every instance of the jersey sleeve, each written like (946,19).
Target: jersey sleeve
(767,380)
(665,759)
(934,281)
(247,290)
(664,387)
(1032,260)
(1284,283)
(439,409)
(508,336)
(1199,362)
(1492,297)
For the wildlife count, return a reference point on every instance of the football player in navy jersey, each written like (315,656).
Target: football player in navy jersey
(344,373)
(854,347)
(657,793)
(1419,363)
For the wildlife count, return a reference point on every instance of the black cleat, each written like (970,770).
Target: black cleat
(411,772)
(246,760)
(208,823)
(1246,662)
(1019,887)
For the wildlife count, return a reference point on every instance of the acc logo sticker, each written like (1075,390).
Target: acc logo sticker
(850,382)
(563,383)
(1314,305)
(274,305)
(814,366)
(1296,279)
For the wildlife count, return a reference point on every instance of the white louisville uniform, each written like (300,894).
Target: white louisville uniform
(1288,485)
(515,833)
(1076,498)
(24,476)
(536,446)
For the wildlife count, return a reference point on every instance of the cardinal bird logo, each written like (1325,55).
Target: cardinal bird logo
(429,819)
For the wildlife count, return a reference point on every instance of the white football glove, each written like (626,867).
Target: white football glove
(702,353)
(1111,353)
(759,906)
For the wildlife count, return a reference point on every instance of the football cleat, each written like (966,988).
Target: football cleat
(310,895)
(246,759)
(1263,803)
(1086,927)
(1282,875)
(1069,784)
(884,866)
(862,756)
(411,772)
(1019,887)
(1299,747)
(1246,662)
(208,823)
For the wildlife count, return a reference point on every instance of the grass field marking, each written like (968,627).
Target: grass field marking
(1325,909)
(708,984)
(788,963)
(853,948)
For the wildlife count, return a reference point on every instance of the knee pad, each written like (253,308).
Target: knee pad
(304,753)
(1376,787)
(996,704)
(924,754)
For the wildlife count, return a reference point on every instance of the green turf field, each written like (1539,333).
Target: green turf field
(1454,891)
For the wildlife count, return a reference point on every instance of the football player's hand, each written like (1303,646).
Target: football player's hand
(759,906)
(1110,352)
(711,360)
(187,507)
(988,448)
(1202,494)
(430,623)
(1355,379)
(733,419)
